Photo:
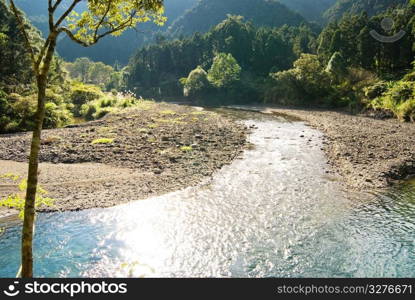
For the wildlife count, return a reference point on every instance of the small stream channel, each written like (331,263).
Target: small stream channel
(275,212)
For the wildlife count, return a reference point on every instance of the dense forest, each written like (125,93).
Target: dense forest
(258,50)
(223,52)
(353,7)
(341,66)
(311,10)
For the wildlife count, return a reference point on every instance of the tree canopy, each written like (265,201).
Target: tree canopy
(225,70)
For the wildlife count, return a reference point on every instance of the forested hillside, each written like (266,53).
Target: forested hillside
(371,7)
(266,52)
(67,95)
(209,13)
(343,66)
(17,93)
(157,68)
(309,9)
(12,50)
(110,50)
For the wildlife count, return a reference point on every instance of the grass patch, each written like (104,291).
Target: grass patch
(102,141)
(11,176)
(143,130)
(199,113)
(106,130)
(186,148)
(168,113)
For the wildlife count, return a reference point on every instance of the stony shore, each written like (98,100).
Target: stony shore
(159,148)
(142,152)
(366,152)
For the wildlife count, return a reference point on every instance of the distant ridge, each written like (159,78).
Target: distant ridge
(208,13)
(371,7)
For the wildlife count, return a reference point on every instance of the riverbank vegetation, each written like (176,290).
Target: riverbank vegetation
(340,66)
(336,65)
(82,89)
(358,58)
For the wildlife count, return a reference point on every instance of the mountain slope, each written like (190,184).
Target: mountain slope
(208,13)
(371,7)
(312,10)
(15,63)
(110,49)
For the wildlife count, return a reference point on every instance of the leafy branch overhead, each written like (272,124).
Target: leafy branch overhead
(102,18)
(110,17)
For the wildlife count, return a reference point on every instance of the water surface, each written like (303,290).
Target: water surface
(275,212)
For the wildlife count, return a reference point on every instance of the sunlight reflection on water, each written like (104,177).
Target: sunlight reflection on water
(274,212)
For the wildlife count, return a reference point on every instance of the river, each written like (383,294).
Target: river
(275,212)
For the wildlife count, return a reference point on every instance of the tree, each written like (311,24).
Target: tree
(102,18)
(336,42)
(337,66)
(79,69)
(196,83)
(224,71)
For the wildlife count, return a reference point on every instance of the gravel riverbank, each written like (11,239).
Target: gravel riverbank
(142,152)
(366,152)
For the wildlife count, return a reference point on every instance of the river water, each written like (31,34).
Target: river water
(275,212)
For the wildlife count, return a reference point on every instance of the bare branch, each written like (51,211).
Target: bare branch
(25,35)
(72,36)
(55,6)
(122,26)
(50,10)
(67,12)
(102,19)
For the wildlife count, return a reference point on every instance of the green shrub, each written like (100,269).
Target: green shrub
(376,90)
(399,99)
(409,77)
(6,111)
(197,83)
(82,94)
(406,110)
(307,83)
(101,107)
(107,102)
(102,113)
(16,201)
(24,109)
(88,110)
(225,70)
(56,116)
(52,96)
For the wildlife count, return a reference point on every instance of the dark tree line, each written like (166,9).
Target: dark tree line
(352,38)
(12,50)
(208,13)
(259,51)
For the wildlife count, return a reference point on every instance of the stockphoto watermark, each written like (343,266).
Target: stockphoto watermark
(387,25)
(71,289)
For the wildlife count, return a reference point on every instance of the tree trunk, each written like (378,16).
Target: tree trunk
(32,179)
